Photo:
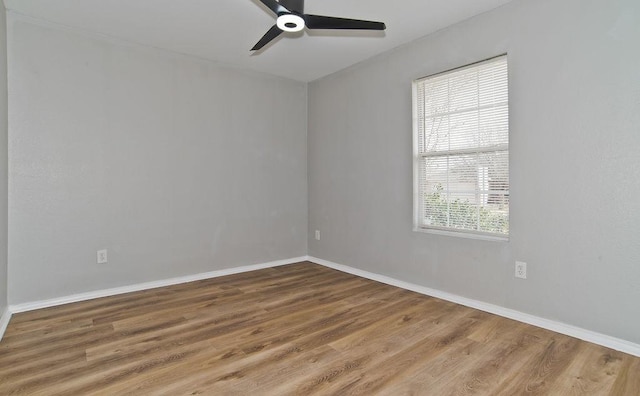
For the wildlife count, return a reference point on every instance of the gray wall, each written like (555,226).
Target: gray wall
(575,164)
(3,159)
(175,165)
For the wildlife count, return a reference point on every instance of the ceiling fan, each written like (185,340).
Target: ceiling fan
(291,18)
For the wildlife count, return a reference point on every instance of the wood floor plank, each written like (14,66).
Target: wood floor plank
(544,369)
(628,379)
(298,329)
(594,373)
(472,366)
(265,350)
(391,370)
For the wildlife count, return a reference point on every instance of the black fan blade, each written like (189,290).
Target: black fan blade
(293,5)
(270,35)
(274,6)
(326,22)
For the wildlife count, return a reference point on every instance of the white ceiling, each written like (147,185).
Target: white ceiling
(225,30)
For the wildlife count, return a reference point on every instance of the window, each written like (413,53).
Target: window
(461,150)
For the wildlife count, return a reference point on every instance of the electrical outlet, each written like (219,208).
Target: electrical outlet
(317,235)
(521,270)
(102,256)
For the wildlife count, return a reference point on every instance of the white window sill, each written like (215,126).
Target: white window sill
(468,235)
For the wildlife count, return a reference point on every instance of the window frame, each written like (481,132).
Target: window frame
(418,157)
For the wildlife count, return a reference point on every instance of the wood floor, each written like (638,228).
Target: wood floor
(300,329)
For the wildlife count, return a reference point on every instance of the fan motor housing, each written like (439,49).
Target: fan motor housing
(290,23)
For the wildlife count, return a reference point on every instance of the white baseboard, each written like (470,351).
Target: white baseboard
(4,321)
(562,328)
(30,306)
(573,331)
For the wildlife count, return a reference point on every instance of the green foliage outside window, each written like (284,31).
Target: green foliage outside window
(462,214)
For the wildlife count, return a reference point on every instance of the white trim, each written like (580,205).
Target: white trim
(562,328)
(30,306)
(4,321)
(462,234)
(475,150)
(417,205)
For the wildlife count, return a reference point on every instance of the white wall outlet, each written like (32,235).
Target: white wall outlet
(521,270)
(317,235)
(102,256)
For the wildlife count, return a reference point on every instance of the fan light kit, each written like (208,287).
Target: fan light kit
(291,18)
(290,23)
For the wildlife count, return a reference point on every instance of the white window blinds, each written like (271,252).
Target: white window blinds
(461,138)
